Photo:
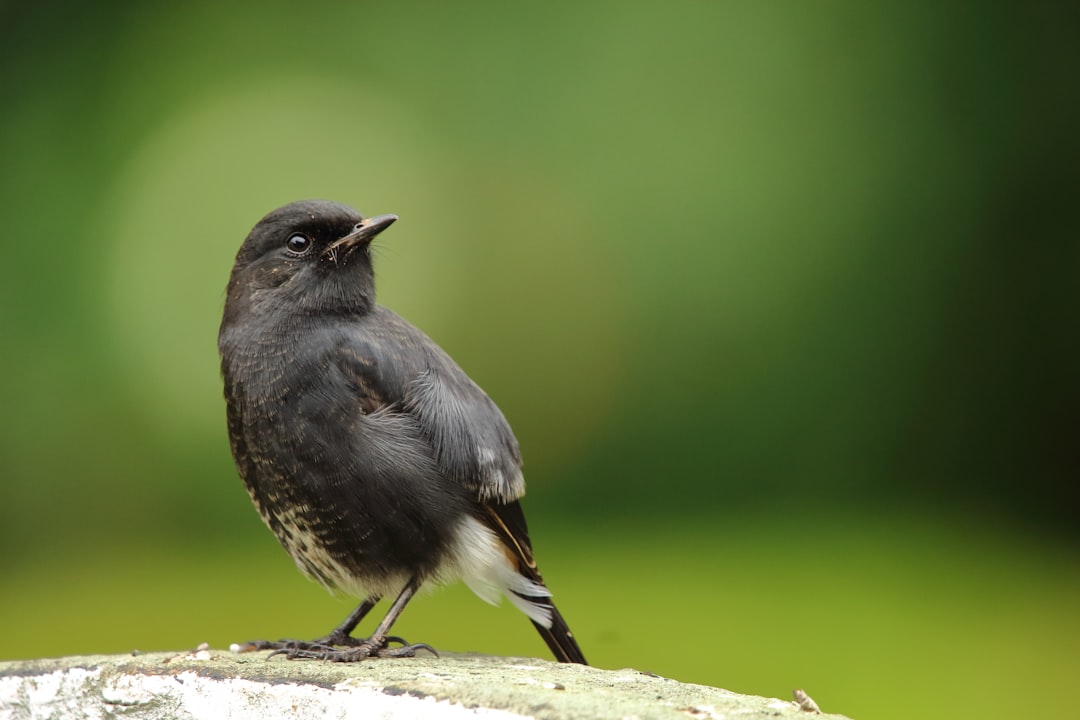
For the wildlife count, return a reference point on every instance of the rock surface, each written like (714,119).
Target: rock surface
(220,684)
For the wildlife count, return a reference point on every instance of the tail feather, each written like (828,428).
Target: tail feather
(527,591)
(560,640)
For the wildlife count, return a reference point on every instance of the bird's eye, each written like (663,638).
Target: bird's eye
(298,244)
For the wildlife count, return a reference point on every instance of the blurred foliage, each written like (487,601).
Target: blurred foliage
(742,276)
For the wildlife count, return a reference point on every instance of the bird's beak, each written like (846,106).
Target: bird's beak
(365,232)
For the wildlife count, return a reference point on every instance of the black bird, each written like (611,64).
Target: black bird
(374,459)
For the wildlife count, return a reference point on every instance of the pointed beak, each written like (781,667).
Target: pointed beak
(365,232)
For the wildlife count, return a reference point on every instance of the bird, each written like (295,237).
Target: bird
(378,464)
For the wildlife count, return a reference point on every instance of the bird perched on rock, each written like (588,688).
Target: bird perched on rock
(375,460)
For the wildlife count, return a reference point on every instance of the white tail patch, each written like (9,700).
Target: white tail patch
(479,560)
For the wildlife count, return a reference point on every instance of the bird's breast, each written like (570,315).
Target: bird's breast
(348,483)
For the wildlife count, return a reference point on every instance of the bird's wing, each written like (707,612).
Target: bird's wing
(472,439)
(395,365)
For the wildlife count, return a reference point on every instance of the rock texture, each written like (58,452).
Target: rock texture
(220,684)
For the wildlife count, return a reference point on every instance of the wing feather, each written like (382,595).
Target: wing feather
(394,365)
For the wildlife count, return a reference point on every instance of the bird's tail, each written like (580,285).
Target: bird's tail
(523,584)
(560,640)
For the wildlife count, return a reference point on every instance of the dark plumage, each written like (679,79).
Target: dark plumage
(374,459)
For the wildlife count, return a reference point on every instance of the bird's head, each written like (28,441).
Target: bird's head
(308,257)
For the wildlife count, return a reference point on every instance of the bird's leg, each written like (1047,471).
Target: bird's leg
(341,635)
(374,646)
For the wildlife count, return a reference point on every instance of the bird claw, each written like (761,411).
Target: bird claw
(336,648)
(361,651)
(422,646)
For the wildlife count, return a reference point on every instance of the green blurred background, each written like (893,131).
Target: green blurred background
(780,298)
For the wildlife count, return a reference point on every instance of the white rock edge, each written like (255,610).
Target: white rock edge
(64,693)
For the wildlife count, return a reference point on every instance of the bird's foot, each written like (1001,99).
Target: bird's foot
(361,650)
(336,647)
